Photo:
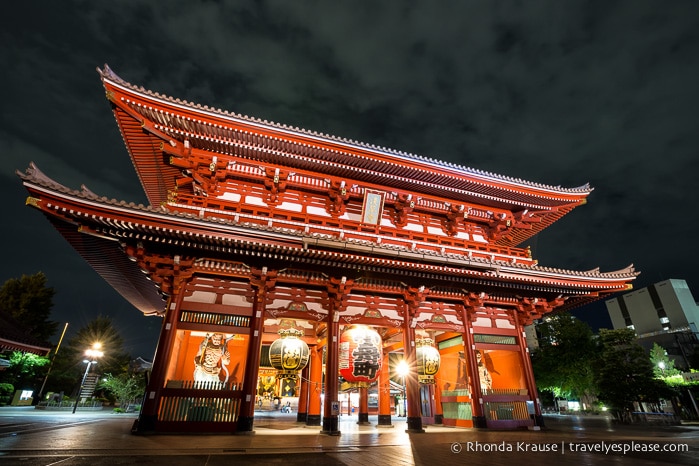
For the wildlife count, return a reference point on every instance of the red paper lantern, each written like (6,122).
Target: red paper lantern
(361,355)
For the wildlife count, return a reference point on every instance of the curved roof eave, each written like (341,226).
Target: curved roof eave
(447,168)
(522,272)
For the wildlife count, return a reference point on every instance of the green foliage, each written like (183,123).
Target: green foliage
(663,366)
(6,391)
(624,372)
(124,387)
(564,362)
(29,301)
(26,370)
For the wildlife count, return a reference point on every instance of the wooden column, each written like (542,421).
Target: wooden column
(385,394)
(338,289)
(413,298)
(314,389)
(302,413)
(363,416)
(438,413)
(331,411)
(470,353)
(412,387)
(149,411)
(261,281)
(528,371)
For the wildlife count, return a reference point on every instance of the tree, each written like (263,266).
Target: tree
(101,330)
(663,366)
(68,365)
(625,374)
(25,371)
(564,362)
(125,388)
(29,301)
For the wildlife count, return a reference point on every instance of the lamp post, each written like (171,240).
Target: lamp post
(92,354)
(402,369)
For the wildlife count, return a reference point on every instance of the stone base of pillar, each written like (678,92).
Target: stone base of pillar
(331,425)
(313,419)
(479,422)
(439,419)
(385,420)
(363,419)
(245,425)
(144,424)
(301,417)
(415,425)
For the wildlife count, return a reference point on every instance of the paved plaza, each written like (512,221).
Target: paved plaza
(32,437)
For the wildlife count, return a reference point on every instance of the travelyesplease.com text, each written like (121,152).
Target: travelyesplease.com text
(569,447)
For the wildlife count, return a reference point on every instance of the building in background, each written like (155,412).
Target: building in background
(665,313)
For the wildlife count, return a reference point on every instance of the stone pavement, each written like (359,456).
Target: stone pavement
(30,438)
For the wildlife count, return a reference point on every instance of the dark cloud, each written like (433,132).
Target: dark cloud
(553,92)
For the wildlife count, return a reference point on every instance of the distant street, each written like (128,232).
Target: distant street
(30,437)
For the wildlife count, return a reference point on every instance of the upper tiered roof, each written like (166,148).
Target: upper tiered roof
(148,120)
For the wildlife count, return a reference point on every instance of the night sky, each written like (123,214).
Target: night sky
(556,92)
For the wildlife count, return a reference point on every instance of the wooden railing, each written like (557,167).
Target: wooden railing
(185,402)
(506,411)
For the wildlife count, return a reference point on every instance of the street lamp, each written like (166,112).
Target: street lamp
(402,369)
(92,354)
(661,365)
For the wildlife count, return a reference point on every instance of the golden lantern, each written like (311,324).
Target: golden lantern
(361,355)
(289,354)
(428,360)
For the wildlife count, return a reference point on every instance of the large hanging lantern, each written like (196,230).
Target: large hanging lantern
(428,360)
(361,355)
(289,354)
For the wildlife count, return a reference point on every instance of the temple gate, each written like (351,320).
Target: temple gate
(254,227)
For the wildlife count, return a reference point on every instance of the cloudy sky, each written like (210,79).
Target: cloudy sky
(556,92)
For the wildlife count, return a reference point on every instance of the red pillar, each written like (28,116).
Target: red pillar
(412,387)
(331,411)
(363,417)
(438,413)
(385,394)
(252,364)
(314,389)
(303,395)
(528,371)
(149,412)
(470,353)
